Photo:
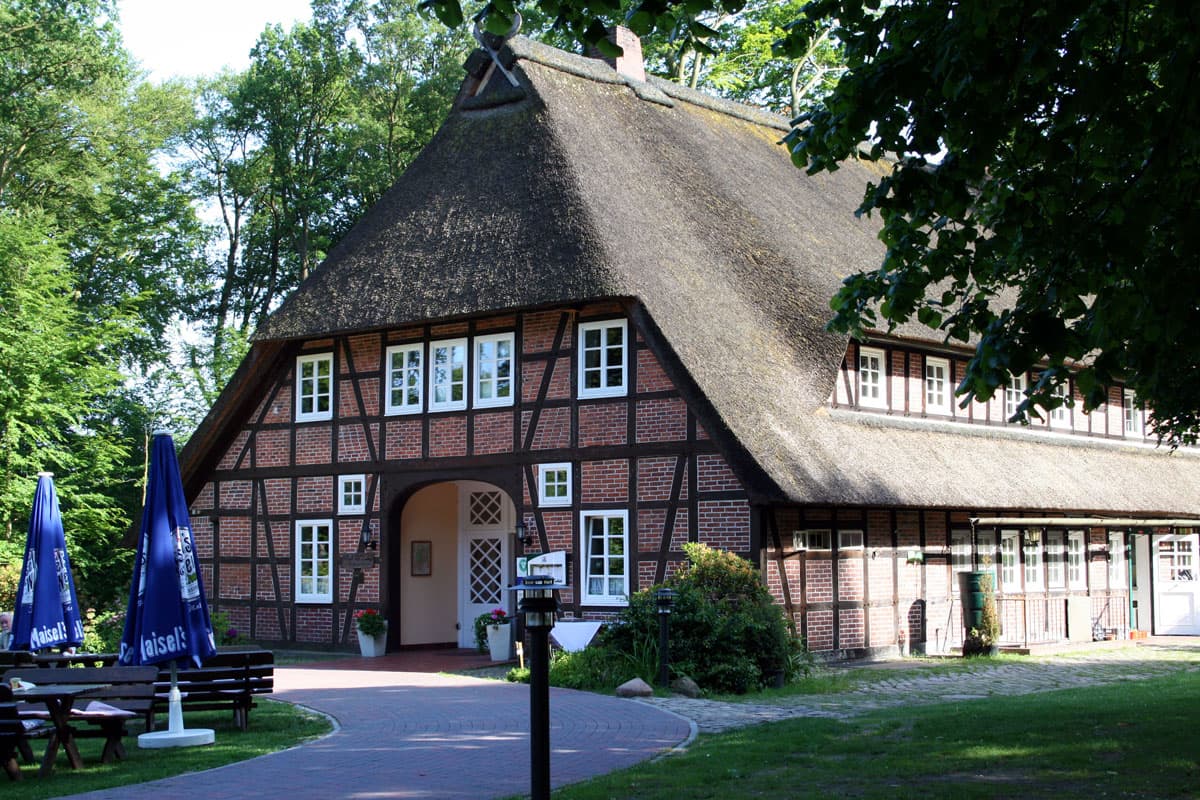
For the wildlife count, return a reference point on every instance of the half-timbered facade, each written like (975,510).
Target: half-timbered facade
(594,306)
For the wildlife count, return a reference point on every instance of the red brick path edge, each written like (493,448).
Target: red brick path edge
(421,735)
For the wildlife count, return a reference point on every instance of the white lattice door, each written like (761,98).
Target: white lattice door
(485,516)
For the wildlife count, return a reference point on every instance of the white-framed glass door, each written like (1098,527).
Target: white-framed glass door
(1176,588)
(485,517)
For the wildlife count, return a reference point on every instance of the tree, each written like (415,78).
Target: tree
(1041,190)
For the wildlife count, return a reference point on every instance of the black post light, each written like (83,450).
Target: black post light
(665,598)
(539,605)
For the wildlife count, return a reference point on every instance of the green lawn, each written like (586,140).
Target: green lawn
(1133,740)
(273,726)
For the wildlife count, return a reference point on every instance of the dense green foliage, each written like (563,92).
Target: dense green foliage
(726,631)
(1039,198)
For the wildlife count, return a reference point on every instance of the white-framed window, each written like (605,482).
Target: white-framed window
(850,540)
(960,552)
(985,548)
(554,484)
(1133,415)
(1116,560)
(1076,560)
(603,358)
(495,366)
(606,557)
(1055,558)
(1061,415)
(448,375)
(937,385)
(314,387)
(1014,394)
(871,375)
(1176,560)
(352,494)
(811,540)
(1033,559)
(314,561)
(405,379)
(1009,561)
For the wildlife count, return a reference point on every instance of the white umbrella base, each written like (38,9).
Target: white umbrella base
(184,738)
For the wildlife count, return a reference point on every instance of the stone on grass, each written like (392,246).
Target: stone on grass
(634,688)
(685,686)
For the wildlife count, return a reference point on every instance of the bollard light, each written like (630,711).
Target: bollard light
(665,599)
(538,605)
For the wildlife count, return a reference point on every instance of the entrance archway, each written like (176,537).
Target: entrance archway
(455,561)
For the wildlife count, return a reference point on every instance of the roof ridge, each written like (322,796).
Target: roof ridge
(653,89)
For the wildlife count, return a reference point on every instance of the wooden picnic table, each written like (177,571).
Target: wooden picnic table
(58,699)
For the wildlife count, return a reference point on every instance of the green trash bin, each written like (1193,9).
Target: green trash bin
(973,592)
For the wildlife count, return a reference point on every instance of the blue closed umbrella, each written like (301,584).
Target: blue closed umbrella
(167,618)
(47,613)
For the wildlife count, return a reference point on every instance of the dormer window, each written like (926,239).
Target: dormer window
(937,386)
(314,387)
(870,378)
(1014,395)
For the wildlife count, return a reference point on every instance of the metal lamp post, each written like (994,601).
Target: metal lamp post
(538,604)
(665,598)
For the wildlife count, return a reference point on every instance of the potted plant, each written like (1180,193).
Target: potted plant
(493,634)
(372,632)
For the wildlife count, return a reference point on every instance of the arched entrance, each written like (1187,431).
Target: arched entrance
(455,562)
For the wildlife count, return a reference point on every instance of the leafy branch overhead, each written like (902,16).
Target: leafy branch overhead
(1039,199)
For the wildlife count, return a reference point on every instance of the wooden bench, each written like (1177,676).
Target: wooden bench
(129,694)
(14,735)
(76,660)
(15,658)
(228,680)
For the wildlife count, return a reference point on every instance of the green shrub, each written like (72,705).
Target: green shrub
(726,632)
(595,668)
(223,630)
(102,630)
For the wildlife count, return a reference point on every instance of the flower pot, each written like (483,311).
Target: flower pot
(372,646)
(499,639)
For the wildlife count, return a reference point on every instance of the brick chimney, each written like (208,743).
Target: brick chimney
(629,63)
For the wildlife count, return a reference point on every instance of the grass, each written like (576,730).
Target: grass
(1133,740)
(273,726)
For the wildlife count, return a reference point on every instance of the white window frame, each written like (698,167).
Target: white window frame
(478,381)
(960,553)
(873,393)
(407,375)
(1061,415)
(1077,560)
(817,539)
(607,598)
(851,540)
(345,487)
(544,471)
(449,404)
(937,398)
(1134,425)
(1010,561)
(1014,395)
(1116,560)
(314,527)
(1031,554)
(1056,560)
(605,366)
(307,387)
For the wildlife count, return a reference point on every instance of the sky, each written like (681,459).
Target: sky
(185,38)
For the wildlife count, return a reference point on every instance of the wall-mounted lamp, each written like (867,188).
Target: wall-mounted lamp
(523,534)
(367,541)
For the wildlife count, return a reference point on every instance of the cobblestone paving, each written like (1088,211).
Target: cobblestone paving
(978,679)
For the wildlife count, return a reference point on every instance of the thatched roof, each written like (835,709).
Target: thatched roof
(581,185)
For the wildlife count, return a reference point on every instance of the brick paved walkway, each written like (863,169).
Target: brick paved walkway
(420,735)
(981,678)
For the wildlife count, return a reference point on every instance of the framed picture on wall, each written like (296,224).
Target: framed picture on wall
(422,558)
